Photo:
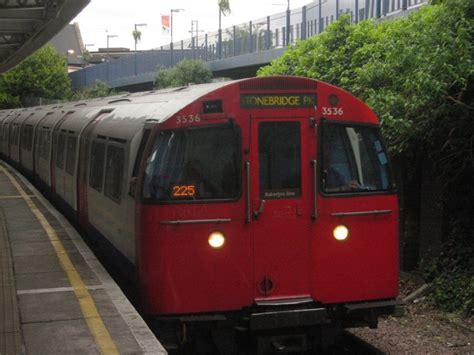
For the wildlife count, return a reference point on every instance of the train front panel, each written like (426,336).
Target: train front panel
(266,191)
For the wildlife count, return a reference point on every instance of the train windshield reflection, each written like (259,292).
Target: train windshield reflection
(196,163)
(354,159)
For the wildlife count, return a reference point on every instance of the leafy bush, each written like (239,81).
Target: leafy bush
(99,89)
(452,272)
(185,72)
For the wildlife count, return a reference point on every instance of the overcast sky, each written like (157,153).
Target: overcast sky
(119,17)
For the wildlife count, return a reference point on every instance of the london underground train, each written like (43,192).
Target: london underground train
(262,206)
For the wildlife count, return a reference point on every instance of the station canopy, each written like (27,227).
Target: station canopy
(26,25)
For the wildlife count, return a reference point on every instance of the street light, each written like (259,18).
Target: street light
(108,37)
(71,52)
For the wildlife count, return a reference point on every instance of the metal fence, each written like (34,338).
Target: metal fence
(274,31)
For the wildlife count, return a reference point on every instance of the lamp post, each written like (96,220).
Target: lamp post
(171,32)
(108,38)
(136,37)
(108,56)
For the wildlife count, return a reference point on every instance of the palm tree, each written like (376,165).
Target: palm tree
(137,36)
(224,8)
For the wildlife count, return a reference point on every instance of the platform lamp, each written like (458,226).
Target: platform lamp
(68,52)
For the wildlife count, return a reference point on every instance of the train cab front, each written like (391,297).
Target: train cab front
(275,212)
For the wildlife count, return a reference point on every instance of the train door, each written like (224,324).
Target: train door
(281,199)
(83,167)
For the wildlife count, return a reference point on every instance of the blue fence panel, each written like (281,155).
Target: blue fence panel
(258,35)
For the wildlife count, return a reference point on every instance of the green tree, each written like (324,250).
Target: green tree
(185,72)
(99,89)
(417,74)
(41,75)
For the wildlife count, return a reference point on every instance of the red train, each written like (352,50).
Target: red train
(264,205)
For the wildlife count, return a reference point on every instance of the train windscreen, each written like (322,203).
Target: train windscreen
(195,163)
(353,159)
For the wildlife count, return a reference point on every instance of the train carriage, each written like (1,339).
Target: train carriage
(263,204)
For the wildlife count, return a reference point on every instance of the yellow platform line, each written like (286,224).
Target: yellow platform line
(14,197)
(96,325)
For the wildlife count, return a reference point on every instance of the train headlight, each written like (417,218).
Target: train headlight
(216,239)
(340,233)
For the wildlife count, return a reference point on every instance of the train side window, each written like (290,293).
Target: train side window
(97,160)
(30,138)
(44,144)
(279,159)
(23,135)
(114,172)
(27,138)
(71,155)
(61,151)
(138,159)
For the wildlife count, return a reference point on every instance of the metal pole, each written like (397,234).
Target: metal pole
(288,22)
(337,9)
(234,31)
(251,37)
(267,37)
(303,25)
(219,38)
(356,11)
(320,17)
(378,9)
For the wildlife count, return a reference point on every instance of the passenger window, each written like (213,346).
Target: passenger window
(138,159)
(71,155)
(61,150)
(279,159)
(96,172)
(114,172)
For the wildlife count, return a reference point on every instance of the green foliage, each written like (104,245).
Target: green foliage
(185,72)
(452,272)
(99,89)
(224,7)
(416,73)
(41,75)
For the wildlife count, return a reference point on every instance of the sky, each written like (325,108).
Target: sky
(118,18)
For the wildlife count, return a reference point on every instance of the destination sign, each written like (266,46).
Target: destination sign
(277,100)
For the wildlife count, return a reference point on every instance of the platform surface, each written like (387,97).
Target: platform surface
(55,297)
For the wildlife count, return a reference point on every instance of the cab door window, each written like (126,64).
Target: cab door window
(279,159)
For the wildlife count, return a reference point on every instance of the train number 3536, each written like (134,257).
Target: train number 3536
(187,119)
(333,111)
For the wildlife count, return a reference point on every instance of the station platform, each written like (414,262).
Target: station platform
(55,296)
